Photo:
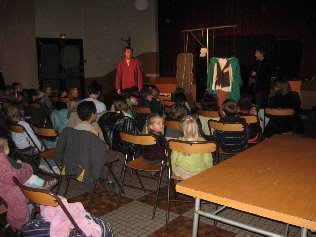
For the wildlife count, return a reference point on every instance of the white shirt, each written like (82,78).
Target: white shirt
(98,104)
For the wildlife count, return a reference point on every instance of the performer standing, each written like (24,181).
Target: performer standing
(262,75)
(128,72)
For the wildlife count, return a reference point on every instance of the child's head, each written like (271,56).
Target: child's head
(282,86)
(154,124)
(190,128)
(95,90)
(48,90)
(180,98)
(4,145)
(146,94)
(87,111)
(63,93)
(14,112)
(17,86)
(8,91)
(135,91)
(73,93)
(73,104)
(177,112)
(120,104)
(209,102)
(155,92)
(39,97)
(245,103)
(229,108)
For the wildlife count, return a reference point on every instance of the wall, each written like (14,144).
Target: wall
(18,60)
(100,24)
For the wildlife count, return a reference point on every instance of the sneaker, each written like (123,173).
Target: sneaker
(49,184)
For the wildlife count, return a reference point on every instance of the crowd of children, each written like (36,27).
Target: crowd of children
(91,115)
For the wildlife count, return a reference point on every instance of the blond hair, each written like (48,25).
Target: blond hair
(4,145)
(73,103)
(14,113)
(190,128)
(150,121)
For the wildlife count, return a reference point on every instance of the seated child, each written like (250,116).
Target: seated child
(87,112)
(34,180)
(231,142)
(28,141)
(155,126)
(187,165)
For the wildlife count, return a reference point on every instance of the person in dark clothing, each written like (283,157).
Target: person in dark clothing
(155,153)
(261,75)
(112,123)
(284,99)
(147,100)
(231,142)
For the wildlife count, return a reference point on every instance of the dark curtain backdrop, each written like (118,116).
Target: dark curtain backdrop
(288,21)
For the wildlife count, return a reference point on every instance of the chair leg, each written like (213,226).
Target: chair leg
(114,177)
(287,230)
(91,196)
(121,186)
(157,192)
(59,184)
(67,185)
(140,181)
(168,198)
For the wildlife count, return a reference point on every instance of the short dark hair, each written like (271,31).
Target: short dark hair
(85,110)
(95,88)
(262,51)
(230,108)
(127,48)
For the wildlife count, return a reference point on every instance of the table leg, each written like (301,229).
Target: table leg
(196,218)
(303,232)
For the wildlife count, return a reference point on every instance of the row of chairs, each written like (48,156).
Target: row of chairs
(136,164)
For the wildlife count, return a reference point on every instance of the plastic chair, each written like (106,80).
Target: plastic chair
(185,147)
(142,110)
(174,124)
(252,120)
(277,113)
(44,197)
(208,113)
(131,142)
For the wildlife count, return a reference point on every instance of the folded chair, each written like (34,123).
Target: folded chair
(43,197)
(185,147)
(131,143)
(226,127)
(281,113)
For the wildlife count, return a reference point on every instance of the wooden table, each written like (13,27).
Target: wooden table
(275,179)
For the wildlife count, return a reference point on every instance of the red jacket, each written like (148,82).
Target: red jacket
(128,75)
(18,213)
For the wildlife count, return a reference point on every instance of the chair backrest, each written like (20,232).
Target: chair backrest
(173,124)
(35,106)
(208,113)
(250,118)
(168,103)
(142,110)
(46,132)
(167,109)
(144,139)
(64,99)
(192,147)
(225,127)
(46,198)
(17,128)
(279,112)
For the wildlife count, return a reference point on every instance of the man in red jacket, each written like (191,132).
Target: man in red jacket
(128,72)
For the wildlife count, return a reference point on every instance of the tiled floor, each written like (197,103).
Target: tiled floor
(134,217)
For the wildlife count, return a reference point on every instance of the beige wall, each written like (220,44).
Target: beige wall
(100,24)
(18,61)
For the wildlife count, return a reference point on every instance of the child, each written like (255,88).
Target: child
(147,100)
(72,107)
(156,103)
(87,112)
(231,142)
(155,126)
(187,165)
(27,141)
(34,180)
